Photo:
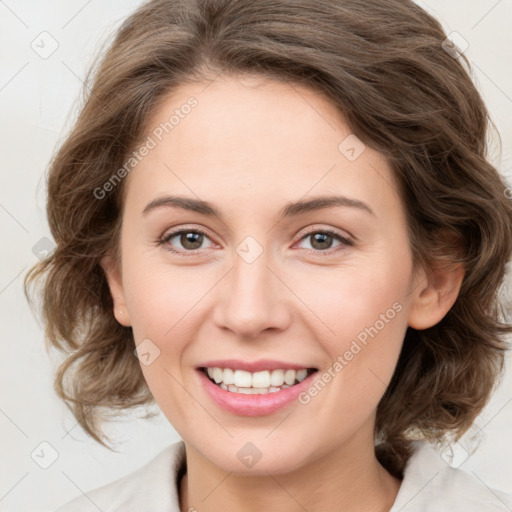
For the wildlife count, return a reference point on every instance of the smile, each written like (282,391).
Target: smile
(256,393)
(255,383)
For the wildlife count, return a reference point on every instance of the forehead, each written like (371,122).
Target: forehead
(252,138)
(246,115)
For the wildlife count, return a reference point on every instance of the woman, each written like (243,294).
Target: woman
(286,209)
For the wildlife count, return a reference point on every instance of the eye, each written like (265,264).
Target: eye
(190,240)
(322,240)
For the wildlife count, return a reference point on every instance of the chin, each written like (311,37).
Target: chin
(247,457)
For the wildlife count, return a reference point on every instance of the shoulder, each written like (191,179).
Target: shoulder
(151,487)
(431,485)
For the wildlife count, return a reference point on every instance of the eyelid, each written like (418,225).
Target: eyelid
(173,232)
(311,230)
(316,228)
(345,241)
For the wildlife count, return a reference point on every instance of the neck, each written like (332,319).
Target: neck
(343,479)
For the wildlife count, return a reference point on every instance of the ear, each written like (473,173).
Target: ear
(115,283)
(435,293)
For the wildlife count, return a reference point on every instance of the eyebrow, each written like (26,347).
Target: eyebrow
(289,210)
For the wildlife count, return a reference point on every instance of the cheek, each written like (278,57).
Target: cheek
(365,298)
(363,310)
(161,297)
(161,302)
(164,302)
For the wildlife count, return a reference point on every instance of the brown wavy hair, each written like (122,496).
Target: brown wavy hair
(382,64)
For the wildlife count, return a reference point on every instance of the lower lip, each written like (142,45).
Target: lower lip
(253,405)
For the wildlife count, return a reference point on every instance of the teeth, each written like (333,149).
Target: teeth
(289,377)
(277,378)
(302,374)
(242,378)
(228,376)
(217,375)
(257,382)
(261,380)
(252,391)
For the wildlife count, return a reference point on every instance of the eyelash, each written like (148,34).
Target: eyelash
(166,238)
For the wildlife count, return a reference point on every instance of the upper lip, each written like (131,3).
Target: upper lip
(252,366)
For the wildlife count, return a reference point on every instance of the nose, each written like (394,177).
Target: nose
(253,300)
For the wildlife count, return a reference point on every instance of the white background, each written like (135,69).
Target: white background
(37,100)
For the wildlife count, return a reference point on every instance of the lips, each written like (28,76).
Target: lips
(247,400)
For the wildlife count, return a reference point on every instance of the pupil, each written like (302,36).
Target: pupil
(322,237)
(192,238)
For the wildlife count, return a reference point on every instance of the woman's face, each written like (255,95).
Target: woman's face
(269,281)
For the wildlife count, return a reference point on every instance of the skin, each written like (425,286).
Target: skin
(250,146)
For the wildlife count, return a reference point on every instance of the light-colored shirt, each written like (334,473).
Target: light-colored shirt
(429,485)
